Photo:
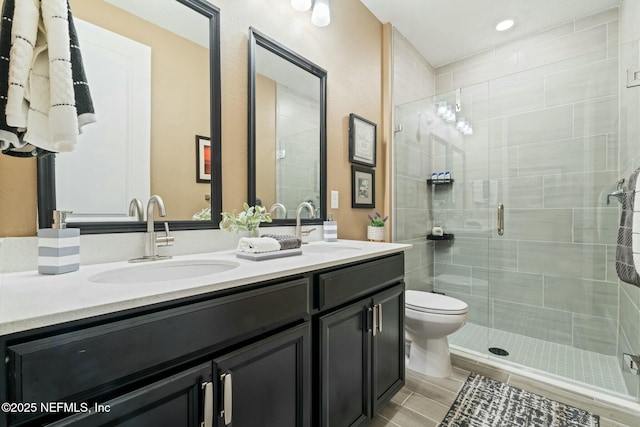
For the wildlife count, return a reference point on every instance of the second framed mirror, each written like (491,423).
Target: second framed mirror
(287,131)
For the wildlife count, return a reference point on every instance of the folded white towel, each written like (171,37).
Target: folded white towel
(258,244)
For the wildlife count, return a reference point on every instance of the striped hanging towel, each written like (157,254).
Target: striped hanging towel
(628,249)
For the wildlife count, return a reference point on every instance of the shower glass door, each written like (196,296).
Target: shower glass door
(553,294)
(446,133)
(534,153)
(464,209)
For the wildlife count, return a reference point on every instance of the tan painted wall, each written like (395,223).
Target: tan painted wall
(350,49)
(18,207)
(179,104)
(18,193)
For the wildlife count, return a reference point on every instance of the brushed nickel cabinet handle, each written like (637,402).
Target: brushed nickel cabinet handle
(208,404)
(227,407)
(375,321)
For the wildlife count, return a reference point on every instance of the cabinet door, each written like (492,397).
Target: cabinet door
(388,344)
(345,340)
(177,401)
(266,384)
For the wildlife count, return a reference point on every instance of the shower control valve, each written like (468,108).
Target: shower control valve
(631,363)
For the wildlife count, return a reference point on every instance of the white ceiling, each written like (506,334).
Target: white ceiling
(446,30)
(170,15)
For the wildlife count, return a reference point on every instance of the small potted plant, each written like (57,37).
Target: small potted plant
(375,229)
(247,221)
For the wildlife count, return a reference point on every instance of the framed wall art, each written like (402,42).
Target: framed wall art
(362,141)
(203,159)
(363,187)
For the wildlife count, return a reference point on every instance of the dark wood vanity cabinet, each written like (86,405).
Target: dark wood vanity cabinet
(360,363)
(266,384)
(174,401)
(262,384)
(361,357)
(165,367)
(260,356)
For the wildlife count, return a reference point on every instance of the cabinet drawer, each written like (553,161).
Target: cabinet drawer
(339,286)
(175,401)
(124,350)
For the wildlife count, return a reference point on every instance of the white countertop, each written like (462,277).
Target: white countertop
(29,300)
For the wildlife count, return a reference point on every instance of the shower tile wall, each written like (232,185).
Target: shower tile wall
(551,113)
(413,80)
(545,116)
(629,297)
(294,183)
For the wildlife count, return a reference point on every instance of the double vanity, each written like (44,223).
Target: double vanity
(207,339)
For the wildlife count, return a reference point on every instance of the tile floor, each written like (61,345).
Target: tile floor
(595,369)
(424,401)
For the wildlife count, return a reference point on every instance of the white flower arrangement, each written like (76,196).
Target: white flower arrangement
(203,215)
(247,220)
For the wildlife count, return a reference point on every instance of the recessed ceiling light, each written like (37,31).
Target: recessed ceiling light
(505,25)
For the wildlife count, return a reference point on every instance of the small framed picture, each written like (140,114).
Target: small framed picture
(362,141)
(363,191)
(203,159)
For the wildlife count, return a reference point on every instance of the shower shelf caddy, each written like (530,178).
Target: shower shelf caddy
(445,236)
(438,182)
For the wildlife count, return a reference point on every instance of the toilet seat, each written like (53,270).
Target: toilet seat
(428,302)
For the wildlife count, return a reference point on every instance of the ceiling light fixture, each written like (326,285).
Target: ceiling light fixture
(301,5)
(505,25)
(321,15)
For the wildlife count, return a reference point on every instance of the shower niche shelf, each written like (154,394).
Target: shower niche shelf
(438,182)
(445,236)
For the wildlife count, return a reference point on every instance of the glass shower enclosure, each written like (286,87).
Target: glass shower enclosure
(530,235)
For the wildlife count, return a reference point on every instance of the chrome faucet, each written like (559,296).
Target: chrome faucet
(135,208)
(618,193)
(278,206)
(152,240)
(303,205)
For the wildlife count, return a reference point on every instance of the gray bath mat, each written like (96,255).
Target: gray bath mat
(483,402)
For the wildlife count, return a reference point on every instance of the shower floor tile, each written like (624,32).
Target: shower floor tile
(595,369)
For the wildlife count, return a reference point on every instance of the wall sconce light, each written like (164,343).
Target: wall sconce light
(321,15)
(301,5)
(449,116)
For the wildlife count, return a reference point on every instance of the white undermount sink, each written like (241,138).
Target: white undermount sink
(323,246)
(163,271)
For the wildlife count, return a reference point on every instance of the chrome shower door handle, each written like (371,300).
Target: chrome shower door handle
(500,219)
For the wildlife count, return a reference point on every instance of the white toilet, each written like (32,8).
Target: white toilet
(429,318)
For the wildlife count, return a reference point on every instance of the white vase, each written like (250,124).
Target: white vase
(375,234)
(250,233)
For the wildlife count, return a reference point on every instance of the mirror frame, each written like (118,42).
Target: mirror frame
(46,163)
(257,38)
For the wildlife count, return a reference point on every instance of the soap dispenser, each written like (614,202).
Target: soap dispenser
(330,229)
(59,246)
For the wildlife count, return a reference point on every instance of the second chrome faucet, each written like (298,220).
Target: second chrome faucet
(152,239)
(301,206)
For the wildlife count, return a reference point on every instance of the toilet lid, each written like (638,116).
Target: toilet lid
(429,302)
